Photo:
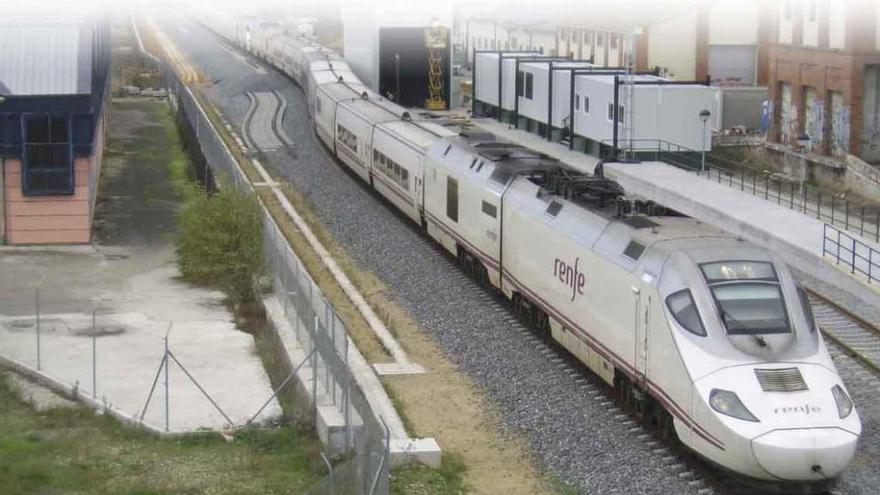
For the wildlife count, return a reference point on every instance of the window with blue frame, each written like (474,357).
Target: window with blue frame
(47,159)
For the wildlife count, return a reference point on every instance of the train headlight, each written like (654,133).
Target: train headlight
(727,402)
(844,403)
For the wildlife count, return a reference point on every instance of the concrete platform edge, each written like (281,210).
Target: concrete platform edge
(797,256)
(403,448)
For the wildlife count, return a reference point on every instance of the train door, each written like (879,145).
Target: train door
(419,186)
(642,301)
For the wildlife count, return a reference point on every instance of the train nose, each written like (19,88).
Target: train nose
(805,454)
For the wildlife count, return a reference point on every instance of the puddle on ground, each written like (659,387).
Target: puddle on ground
(82,328)
(30,325)
(99,331)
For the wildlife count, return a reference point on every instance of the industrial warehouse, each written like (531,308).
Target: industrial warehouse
(451,247)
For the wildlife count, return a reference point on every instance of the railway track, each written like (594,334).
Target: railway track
(858,337)
(678,471)
(847,332)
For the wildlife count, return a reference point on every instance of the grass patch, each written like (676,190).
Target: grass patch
(221,242)
(400,407)
(76,451)
(358,328)
(417,479)
(374,291)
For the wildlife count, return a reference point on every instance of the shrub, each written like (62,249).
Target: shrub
(220,242)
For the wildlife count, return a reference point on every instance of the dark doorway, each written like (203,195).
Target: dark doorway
(408,44)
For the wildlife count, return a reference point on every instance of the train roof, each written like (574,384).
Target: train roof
(419,133)
(373,111)
(555,180)
(509,159)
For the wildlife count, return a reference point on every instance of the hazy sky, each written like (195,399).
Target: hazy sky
(621,12)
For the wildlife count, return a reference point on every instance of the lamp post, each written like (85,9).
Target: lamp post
(803,141)
(704,116)
(397,78)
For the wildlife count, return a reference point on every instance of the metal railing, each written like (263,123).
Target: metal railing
(850,252)
(317,328)
(823,204)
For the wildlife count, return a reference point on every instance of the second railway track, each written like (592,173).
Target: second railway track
(854,334)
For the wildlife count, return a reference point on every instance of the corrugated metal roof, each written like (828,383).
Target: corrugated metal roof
(44,59)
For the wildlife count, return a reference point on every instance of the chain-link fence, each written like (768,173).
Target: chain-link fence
(317,327)
(116,351)
(323,336)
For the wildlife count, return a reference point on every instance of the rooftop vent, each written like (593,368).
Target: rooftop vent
(781,380)
(634,250)
(639,222)
(477,135)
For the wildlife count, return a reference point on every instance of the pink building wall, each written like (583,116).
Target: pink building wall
(53,219)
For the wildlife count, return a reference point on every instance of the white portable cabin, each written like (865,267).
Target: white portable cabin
(535,107)
(486,73)
(660,112)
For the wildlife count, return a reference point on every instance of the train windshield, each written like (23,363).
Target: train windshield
(748,297)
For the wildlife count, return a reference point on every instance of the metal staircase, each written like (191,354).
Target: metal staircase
(435,42)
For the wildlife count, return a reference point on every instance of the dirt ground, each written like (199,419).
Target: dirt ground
(442,403)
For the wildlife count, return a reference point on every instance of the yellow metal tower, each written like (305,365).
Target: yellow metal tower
(435,42)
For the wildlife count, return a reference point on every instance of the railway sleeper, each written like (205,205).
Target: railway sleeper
(472,266)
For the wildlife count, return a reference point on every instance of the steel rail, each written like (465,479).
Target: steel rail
(845,341)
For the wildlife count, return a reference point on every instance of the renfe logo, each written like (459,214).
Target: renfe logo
(806,409)
(570,276)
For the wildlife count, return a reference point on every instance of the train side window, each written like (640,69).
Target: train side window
(529,84)
(808,309)
(452,199)
(318,104)
(490,209)
(681,305)
(554,208)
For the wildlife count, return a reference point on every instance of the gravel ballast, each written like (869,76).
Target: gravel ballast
(561,415)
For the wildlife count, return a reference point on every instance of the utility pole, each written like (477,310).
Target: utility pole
(397,78)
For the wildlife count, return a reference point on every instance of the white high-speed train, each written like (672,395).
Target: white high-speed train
(706,335)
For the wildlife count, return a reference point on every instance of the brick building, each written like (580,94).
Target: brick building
(726,40)
(824,76)
(53,80)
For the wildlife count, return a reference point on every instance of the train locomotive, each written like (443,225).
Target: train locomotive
(704,334)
